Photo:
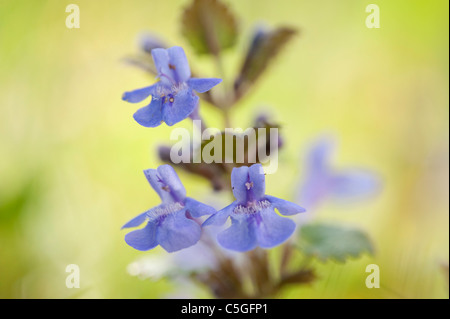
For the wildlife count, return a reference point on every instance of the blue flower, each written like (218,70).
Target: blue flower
(254,221)
(173,97)
(323,182)
(171,224)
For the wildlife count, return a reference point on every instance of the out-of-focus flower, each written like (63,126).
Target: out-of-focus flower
(150,41)
(254,221)
(203,256)
(170,224)
(323,182)
(173,97)
(150,267)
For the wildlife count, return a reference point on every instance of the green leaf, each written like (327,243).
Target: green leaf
(264,47)
(335,242)
(209,26)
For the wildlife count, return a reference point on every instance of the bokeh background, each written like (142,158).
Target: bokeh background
(71,156)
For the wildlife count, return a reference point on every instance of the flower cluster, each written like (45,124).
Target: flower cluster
(227,250)
(174,224)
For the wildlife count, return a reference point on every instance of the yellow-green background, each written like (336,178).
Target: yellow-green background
(71,156)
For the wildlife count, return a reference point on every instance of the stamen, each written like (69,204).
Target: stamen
(164,210)
(161,93)
(249,185)
(178,87)
(252,207)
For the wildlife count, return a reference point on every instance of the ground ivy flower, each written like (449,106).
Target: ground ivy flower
(254,221)
(324,182)
(173,97)
(170,224)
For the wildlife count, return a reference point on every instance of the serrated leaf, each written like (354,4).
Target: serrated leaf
(209,26)
(333,242)
(264,47)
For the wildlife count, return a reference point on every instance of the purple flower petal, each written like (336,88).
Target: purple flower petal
(150,115)
(177,232)
(239,177)
(172,65)
(136,221)
(203,85)
(158,185)
(285,207)
(161,60)
(319,156)
(166,183)
(171,179)
(139,95)
(353,184)
(240,236)
(257,181)
(183,104)
(143,239)
(179,64)
(197,209)
(273,229)
(248,183)
(221,216)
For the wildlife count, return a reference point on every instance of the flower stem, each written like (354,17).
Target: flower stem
(286,257)
(195,115)
(226,92)
(226,118)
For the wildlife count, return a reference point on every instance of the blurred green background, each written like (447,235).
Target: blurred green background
(72,156)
